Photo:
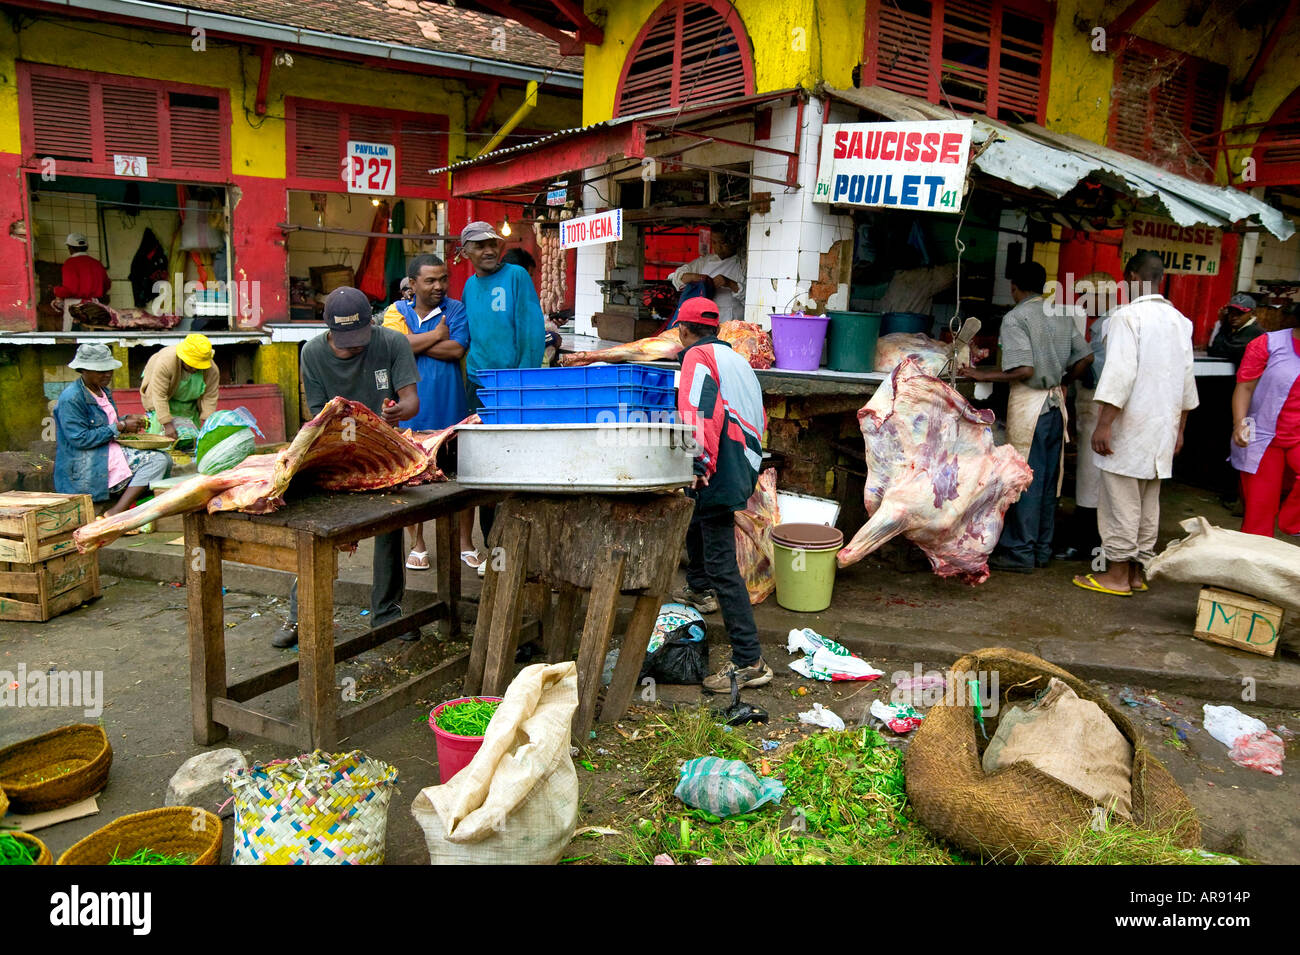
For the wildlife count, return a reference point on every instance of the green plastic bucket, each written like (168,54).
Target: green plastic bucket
(853,341)
(804,565)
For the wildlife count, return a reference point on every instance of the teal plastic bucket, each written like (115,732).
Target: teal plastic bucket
(852,344)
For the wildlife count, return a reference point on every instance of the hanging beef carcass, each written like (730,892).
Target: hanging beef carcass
(934,475)
(931,354)
(347,447)
(754,525)
(749,340)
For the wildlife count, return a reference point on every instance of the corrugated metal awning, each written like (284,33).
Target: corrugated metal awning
(1032,157)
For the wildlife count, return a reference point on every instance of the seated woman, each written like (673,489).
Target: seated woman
(88,459)
(1266,432)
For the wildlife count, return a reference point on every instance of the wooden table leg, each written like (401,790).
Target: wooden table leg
(510,564)
(631,656)
(446,545)
(596,631)
(316,699)
(207,628)
(559,629)
(473,685)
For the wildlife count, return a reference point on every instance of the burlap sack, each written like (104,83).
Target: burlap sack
(1020,811)
(1068,739)
(516,803)
(1263,567)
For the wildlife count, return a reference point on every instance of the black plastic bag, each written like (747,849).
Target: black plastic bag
(683,657)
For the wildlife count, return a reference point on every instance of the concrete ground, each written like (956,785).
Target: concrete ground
(1139,646)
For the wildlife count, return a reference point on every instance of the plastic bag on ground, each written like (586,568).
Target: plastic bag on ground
(725,787)
(754,525)
(671,616)
(1069,739)
(1250,742)
(681,659)
(226,439)
(517,800)
(899,717)
(821,716)
(824,659)
(1227,723)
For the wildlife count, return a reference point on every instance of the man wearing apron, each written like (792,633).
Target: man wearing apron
(180,387)
(1042,350)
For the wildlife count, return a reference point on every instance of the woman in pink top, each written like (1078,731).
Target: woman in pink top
(1266,432)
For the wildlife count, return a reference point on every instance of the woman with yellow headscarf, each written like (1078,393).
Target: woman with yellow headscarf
(180,386)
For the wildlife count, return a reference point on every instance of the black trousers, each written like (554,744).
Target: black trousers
(711,548)
(388,582)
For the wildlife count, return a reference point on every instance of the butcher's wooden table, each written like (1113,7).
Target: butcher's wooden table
(305,535)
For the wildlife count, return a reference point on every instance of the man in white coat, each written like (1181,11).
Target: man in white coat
(1145,393)
(726,269)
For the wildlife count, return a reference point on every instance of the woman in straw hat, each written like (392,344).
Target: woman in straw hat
(88,458)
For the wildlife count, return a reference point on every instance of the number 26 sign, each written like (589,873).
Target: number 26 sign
(370,168)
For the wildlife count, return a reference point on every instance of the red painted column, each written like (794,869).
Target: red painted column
(17,304)
(261,260)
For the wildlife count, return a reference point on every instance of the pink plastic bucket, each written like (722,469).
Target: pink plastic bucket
(797,341)
(454,751)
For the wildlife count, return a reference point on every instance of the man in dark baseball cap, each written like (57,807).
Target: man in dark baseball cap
(478,232)
(1237,329)
(356,360)
(348,317)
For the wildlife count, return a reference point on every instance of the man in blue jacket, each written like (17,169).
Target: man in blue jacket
(506,326)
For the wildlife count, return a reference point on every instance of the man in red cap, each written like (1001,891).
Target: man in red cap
(719,394)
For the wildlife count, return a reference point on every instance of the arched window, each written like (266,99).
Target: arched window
(689,51)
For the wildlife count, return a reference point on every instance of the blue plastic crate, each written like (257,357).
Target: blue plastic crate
(578,414)
(631,374)
(596,396)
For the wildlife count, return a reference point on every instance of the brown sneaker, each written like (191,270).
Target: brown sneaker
(756,674)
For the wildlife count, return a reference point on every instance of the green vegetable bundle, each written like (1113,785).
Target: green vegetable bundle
(13,851)
(470,718)
(149,857)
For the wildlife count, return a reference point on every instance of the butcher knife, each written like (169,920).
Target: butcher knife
(965,335)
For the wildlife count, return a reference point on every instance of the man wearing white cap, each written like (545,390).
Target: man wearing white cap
(84,278)
(87,458)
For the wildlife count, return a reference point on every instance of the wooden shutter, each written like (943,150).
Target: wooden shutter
(421,146)
(1132,106)
(317,147)
(1022,65)
(131,122)
(690,53)
(902,58)
(967,31)
(195,126)
(61,116)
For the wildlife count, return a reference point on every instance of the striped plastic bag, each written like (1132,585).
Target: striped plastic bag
(725,787)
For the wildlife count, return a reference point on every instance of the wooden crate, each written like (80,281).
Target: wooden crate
(326,278)
(35,527)
(46,589)
(1238,620)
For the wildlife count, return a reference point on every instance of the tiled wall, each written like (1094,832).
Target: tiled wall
(1277,261)
(58,213)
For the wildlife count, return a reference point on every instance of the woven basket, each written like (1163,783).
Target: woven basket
(55,769)
(175,830)
(1020,811)
(146,442)
(4,802)
(43,854)
(317,809)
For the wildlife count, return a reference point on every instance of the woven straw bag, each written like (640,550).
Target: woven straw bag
(1019,810)
(55,769)
(173,830)
(315,809)
(38,848)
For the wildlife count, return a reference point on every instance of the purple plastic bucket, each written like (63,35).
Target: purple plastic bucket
(797,341)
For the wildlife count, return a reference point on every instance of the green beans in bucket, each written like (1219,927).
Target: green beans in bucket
(470,718)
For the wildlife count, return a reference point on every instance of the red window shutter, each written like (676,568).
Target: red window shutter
(131,122)
(317,146)
(364,128)
(420,147)
(967,29)
(902,60)
(1132,106)
(61,115)
(1022,64)
(690,54)
(195,124)
(1208,88)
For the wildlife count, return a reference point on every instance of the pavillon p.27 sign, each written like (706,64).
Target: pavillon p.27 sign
(917,166)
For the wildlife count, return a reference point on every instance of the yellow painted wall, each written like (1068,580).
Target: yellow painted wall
(257,142)
(797,43)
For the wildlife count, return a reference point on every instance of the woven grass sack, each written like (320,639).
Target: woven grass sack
(1020,811)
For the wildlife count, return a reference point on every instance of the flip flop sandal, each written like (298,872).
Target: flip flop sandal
(1099,588)
(417,560)
(1141,588)
(471,558)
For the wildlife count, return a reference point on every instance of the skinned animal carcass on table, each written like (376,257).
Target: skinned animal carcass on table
(930,353)
(754,525)
(749,340)
(347,447)
(934,475)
